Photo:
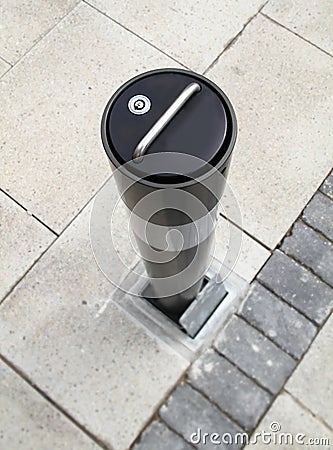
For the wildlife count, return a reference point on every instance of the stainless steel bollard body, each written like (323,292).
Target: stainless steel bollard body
(170,133)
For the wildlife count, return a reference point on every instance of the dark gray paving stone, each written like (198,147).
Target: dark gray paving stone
(297,286)
(312,249)
(256,355)
(327,186)
(158,436)
(277,320)
(191,414)
(319,214)
(235,393)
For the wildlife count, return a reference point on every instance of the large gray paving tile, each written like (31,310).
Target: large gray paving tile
(308,18)
(312,381)
(24,22)
(192,32)
(29,422)
(22,240)
(293,419)
(251,256)
(60,327)
(230,389)
(191,415)
(282,101)
(254,354)
(55,97)
(312,249)
(297,286)
(277,320)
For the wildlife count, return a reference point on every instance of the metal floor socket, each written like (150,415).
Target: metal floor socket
(201,321)
(194,317)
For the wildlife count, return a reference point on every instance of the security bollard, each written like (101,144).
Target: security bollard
(170,135)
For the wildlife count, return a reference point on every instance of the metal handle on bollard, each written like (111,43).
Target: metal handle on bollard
(169,114)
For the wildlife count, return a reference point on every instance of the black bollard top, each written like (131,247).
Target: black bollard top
(204,125)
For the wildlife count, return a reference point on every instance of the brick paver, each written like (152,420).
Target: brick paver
(249,345)
(319,215)
(224,384)
(327,186)
(59,326)
(187,410)
(158,436)
(311,249)
(256,355)
(278,321)
(297,286)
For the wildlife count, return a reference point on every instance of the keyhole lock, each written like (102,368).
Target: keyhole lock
(139,104)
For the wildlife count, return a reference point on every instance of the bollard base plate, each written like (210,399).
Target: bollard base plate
(173,309)
(193,316)
(190,330)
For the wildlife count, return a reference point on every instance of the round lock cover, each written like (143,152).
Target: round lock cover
(203,126)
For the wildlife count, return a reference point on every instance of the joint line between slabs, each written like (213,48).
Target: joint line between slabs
(226,414)
(266,286)
(135,34)
(28,212)
(306,408)
(239,315)
(41,38)
(233,40)
(245,232)
(53,242)
(50,401)
(5,61)
(295,34)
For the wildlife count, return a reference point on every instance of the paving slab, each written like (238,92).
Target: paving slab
(311,249)
(308,18)
(61,328)
(312,381)
(327,186)
(282,102)
(252,255)
(192,415)
(290,417)
(22,240)
(319,215)
(192,33)
(277,320)
(297,286)
(29,422)
(159,436)
(3,67)
(254,354)
(24,23)
(56,163)
(230,389)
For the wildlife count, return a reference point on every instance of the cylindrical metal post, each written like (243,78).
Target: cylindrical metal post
(171,134)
